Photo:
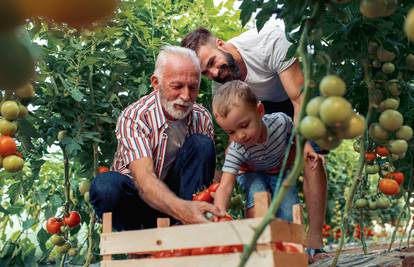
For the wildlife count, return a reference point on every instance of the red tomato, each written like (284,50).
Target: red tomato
(203,196)
(19,154)
(397,176)
(53,225)
(388,186)
(225,218)
(7,146)
(213,187)
(73,219)
(370,156)
(102,169)
(382,151)
(326,227)
(279,246)
(291,248)
(201,251)
(222,250)
(181,252)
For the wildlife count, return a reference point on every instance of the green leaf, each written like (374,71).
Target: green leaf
(76,94)
(42,236)
(29,223)
(247,8)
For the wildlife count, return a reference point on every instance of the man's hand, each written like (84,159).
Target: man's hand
(313,157)
(193,212)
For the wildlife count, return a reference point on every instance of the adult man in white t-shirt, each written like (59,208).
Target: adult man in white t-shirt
(258,58)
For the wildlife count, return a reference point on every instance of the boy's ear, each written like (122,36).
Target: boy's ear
(155,82)
(260,109)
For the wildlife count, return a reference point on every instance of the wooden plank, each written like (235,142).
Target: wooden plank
(209,234)
(298,218)
(261,204)
(283,259)
(262,259)
(107,228)
(298,213)
(288,232)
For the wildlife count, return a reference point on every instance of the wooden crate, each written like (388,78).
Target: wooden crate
(207,235)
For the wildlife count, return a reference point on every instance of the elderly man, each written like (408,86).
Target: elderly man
(258,58)
(165,151)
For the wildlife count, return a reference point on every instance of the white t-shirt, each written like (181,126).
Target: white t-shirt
(176,133)
(264,54)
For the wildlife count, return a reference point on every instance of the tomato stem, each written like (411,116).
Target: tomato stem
(298,164)
(359,177)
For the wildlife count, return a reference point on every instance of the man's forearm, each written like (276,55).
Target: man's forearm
(296,109)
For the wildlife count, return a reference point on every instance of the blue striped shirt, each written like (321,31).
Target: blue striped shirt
(263,157)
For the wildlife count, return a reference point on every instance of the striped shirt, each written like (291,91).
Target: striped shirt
(266,157)
(141,132)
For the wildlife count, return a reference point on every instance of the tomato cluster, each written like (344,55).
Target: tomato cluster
(367,232)
(206,194)
(58,227)
(11,110)
(326,231)
(330,117)
(198,251)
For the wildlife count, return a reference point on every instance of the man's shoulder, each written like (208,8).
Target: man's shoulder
(271,29)
(200,110)
(141,108)
(142,105)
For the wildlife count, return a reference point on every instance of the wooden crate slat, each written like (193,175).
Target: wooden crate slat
(184,236)
(210,234)
(107,228)
(288,232)
(284,259)
(262,259)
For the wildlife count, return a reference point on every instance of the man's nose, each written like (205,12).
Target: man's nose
(185,94)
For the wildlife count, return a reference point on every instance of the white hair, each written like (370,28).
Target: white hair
(170,50)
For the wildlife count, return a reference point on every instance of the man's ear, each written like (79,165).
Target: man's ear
(260,109)
(220,43)
(155,82)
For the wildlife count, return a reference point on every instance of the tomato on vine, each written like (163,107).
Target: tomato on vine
(102,169)
(397,176)
(7,146)
(370,156)
(388,186)
(53,225)
(382,151)
(72,220)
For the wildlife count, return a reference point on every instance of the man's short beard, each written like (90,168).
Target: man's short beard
(173,112)
(231,67)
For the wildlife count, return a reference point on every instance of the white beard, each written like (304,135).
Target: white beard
(173,112)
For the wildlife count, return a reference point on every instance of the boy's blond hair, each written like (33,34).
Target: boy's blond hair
(233,93)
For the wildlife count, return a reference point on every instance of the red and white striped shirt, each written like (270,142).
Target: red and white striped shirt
(141,133)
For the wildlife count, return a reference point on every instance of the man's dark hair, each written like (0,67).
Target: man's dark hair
(195,39)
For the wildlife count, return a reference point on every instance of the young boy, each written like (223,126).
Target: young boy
(258,142)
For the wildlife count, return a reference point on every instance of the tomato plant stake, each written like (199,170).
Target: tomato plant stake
(363,242)
(357,181)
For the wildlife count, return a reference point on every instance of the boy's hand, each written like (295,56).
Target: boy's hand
(193,212)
